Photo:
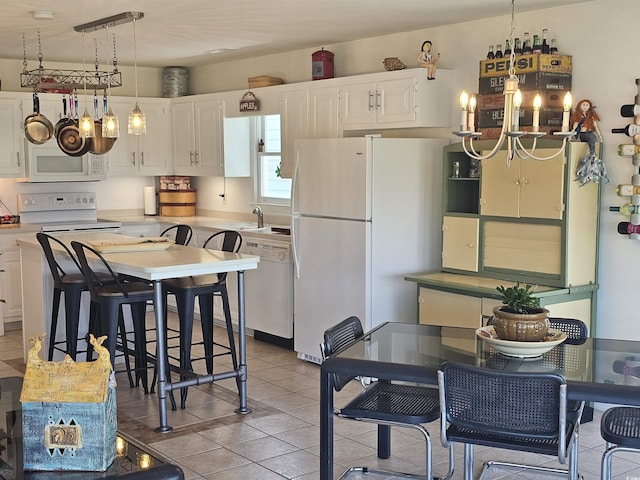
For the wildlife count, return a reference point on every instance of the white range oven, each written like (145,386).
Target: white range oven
(64,212)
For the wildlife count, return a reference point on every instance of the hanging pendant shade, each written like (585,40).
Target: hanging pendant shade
(86,125)
(110,125)
(137,122)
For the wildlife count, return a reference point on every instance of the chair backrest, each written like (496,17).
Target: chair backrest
(576,330)
(95,281)
(56,270)
(227,241)
(336,339)
(181,233)
(513,404)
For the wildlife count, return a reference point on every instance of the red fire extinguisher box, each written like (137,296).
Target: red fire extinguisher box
(322,65)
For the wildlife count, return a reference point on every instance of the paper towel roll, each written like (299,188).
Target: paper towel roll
(150,201)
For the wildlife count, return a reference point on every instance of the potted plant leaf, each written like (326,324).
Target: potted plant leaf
(520,318)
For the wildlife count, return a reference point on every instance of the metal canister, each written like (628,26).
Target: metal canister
(322,65)
(175,81)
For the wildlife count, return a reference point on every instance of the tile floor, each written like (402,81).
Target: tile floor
(280,438)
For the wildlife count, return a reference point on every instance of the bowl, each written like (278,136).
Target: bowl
(512,348)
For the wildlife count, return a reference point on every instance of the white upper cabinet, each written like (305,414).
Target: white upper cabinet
(148,154)
(293,126)
(200,137)
(399,99)
(11,138)
(324,111)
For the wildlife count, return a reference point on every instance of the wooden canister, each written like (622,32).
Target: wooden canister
(177,203)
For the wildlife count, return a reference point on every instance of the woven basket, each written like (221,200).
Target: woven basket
(393,63)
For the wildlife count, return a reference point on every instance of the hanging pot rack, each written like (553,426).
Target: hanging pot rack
(64,81)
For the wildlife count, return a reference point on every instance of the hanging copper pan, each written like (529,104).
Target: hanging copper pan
(69,139)
(100,144)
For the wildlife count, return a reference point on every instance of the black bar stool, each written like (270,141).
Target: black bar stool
(72,285)
(106,315)
(205,287)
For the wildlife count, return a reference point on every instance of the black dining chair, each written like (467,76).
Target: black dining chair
(383,403)
(181,234)
(205,287)
(620,428)
(106,316)
(509,410)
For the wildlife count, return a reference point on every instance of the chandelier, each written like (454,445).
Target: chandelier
(511,132)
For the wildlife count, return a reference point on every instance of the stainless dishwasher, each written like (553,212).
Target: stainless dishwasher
(268,290)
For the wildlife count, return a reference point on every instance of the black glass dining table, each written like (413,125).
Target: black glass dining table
(597,370)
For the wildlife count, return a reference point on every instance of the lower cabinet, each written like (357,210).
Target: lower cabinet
(466,302)
(10,282)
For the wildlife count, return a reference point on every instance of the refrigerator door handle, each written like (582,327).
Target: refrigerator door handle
(294,249)
(294,218)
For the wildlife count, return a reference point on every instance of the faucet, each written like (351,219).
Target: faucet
(258,211)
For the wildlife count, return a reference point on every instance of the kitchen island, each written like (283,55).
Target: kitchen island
(175,261)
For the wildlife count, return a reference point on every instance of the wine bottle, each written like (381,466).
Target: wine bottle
(554,46)
(626,228)
(626,209)
(507,48)
(517,47)
(630,130)
(526,44)
(627,190)
(536,48)
(490,54)
(545,44)
(499,53)
(630,110)
(628,150)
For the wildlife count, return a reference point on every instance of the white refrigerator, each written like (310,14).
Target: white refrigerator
(365,212)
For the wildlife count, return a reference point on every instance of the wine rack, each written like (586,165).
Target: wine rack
(632,208)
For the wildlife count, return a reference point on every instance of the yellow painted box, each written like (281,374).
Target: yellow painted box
(534,63)
(69,417)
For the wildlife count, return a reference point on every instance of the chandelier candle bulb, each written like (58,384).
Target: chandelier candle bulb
(517,102)
(537,103)
(464,101)
(566,111)
(472,110)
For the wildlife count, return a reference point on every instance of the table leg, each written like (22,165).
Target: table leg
(161,357)
(384,441)
(326,425)
(242,348)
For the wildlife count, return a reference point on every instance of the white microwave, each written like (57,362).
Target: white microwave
(47,163)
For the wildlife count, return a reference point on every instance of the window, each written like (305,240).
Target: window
(269,186)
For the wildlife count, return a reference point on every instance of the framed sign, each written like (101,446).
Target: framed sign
(249,103)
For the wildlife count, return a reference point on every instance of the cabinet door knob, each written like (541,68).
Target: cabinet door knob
(470,245)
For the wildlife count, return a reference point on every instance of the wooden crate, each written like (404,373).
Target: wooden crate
(536,62)
(264,81)
(549,81)
(177,203)
(69,417)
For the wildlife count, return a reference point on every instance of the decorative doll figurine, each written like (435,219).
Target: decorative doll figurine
(584,120)
(585,123)
(425,59)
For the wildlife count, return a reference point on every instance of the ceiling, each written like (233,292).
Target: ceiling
(183,33)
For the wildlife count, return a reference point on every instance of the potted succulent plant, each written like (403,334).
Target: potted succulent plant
(520,318)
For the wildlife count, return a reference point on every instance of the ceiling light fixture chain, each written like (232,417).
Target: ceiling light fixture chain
(510,131)
(137,124)
(110,123)
(86,124)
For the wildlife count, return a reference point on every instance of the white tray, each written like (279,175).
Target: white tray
(146,244)
(521,349)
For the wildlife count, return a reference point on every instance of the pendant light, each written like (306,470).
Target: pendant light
(110,124)
(137,120)
(86,124)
